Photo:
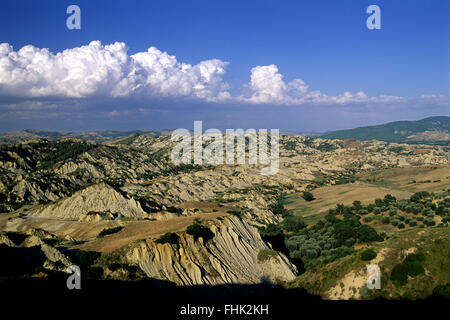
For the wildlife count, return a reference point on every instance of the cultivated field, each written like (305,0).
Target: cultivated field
(399,182)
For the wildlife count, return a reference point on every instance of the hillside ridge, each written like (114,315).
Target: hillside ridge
(434,130)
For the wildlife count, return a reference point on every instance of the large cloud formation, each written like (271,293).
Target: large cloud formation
(106,70)
(97,70)
(267,86)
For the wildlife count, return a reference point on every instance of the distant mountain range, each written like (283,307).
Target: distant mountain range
(432,130)
(91,136)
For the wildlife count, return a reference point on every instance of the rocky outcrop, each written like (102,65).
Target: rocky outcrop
(231,256)
(54,255)
(55,260)
(31,192)
(4,239)
(96,198)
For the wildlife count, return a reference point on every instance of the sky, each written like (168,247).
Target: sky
(298,66)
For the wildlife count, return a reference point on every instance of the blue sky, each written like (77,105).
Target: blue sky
(324,44)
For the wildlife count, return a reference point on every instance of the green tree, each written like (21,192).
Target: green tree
(169,237)
(368,254)
(308,196)
(367,233)
(294,223)
(199,231)
(399,274)
(385,220)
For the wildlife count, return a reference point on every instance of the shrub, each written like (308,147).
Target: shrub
(273,233)
(379,202)
(278,208)
(293,223)
(376,210)
(363,212)
(199,231)
(420,256)
(235,213)
(414,267)
(413,223)
(334,254)
(368,254)
(106,232)
(174,210)
(357,204)
(389,199)
(368,219)
(442,291)
(114,266)
(266,254)
(86,258)
(416,197)
(399,274)
(395,222)
(350,242)
(296,254)
(310,252)
(392,211)
(429,222)
(131,268)
(308,196)
(367,233)
(169,237)
(95,273)
(403,204)
(440,210)
(343,231)
(385,220)
(417,208)
(295,242)
(272,230)
(401,225)
(309,248)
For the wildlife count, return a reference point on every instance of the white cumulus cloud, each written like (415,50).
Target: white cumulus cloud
(106,70)
(267,86)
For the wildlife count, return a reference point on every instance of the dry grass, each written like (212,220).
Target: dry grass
(397,182)
(327,197)
(428,178)
(136,230)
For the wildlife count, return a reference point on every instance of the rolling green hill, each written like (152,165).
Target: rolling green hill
(432,130)
(346,277)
